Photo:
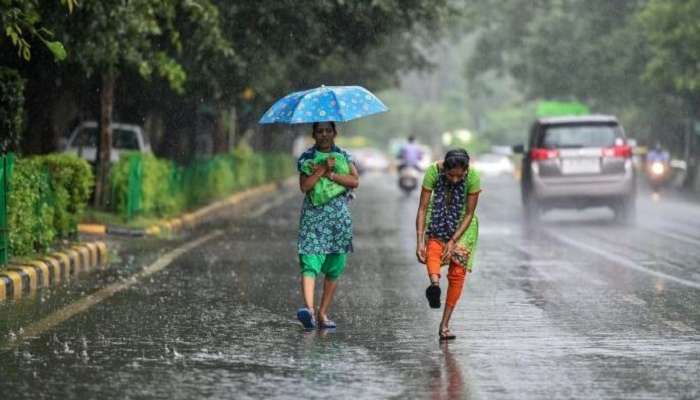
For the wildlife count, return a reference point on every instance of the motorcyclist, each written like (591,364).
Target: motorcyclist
(657,153)
(410,154)
(657,167)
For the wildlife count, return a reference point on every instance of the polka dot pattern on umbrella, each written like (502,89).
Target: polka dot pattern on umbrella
(327,103)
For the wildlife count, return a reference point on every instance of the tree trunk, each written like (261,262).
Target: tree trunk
(105,140)
(220,130)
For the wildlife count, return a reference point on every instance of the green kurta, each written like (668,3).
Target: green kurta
(472,185)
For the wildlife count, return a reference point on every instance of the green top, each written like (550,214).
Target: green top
(472,185)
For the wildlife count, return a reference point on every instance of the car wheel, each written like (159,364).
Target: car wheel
(626,211)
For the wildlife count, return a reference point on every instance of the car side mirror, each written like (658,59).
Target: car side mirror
(519,149)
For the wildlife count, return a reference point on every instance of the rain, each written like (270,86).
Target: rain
(375,199)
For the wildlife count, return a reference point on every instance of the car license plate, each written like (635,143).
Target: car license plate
(580,166)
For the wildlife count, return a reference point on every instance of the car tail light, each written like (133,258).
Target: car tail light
(543,154)
(622,151)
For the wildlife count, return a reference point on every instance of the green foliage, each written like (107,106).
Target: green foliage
(156,196)
(636,59)
(30,213)
(72,181)
(167,189)
(11,108)
(47,199)
(22,20)
(674,36)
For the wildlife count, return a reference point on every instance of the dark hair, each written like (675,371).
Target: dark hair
(315,125)
(411,138)
(457,158)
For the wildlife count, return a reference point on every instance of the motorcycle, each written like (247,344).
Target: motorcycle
(409,177)
(658,173)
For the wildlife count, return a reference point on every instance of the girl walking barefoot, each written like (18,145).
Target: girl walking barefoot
(447,229)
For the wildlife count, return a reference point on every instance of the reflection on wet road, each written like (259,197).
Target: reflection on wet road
(577,307)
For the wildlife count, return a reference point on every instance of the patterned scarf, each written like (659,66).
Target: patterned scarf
(448,202)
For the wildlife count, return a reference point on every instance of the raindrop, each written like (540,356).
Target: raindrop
(176,354)
(66,348)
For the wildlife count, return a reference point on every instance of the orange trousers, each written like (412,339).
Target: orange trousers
(456,274)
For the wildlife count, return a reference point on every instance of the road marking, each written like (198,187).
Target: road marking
(67,312)
(679,326)
(675,236)
(632,299)
(539,264)
(272,204)
(620,260)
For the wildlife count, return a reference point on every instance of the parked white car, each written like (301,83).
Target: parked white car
(125,137)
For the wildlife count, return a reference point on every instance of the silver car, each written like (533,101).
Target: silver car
(578,162)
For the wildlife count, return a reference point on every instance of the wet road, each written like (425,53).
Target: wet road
(576,308)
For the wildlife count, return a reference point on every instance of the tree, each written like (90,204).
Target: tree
(110,37)
(21,21)
(674,39)
(11,111)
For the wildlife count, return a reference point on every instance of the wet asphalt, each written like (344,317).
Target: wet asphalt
(576,307)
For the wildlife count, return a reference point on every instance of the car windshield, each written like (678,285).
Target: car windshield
(577,136)
(121,139)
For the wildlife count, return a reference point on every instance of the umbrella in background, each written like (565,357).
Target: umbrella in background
(326,103)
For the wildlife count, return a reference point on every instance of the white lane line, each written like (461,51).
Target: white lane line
(541,266)
(675,236)
(63,314)
(621,260)
(632,299)
(679,326)
(271,204)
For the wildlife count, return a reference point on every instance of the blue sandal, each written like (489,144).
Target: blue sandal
(306,318)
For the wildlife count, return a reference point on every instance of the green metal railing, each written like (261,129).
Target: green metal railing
(7,162)
(160,187)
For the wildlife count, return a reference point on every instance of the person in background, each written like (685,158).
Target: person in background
(410,154)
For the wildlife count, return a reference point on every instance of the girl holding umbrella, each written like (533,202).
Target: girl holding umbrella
(326,174)
(325,227)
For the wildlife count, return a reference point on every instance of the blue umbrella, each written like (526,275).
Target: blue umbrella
(327,103)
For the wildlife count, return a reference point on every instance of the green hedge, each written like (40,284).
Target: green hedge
(163,188)
(48,195)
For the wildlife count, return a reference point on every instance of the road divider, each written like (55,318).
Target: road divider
(25,277)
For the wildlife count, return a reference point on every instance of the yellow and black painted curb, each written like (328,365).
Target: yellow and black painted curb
(186,221)
(25,277)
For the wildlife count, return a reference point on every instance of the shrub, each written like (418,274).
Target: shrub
(166,189)
(30,212)
(71,181)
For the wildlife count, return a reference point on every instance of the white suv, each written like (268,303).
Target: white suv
(125,137)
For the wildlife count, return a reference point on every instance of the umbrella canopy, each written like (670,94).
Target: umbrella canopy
(323,104)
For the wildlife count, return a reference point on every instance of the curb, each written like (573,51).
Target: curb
(26,277)
(185,221)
